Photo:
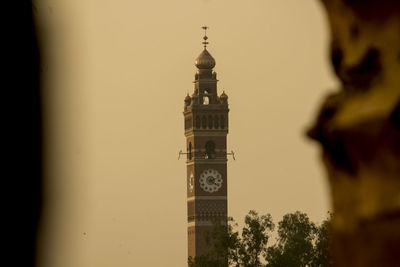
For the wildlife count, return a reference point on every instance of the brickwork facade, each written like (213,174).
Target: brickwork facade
(206,129)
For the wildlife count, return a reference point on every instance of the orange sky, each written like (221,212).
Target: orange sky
(116,73)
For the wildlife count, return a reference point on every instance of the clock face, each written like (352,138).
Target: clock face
(210,180)
(191,182)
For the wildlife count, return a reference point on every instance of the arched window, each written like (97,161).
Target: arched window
(222,121)
(210,121)
(204,121)
(210,150)
(198,121)
(216,122)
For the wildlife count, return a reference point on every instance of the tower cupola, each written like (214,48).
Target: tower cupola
(224,98)
(205,60)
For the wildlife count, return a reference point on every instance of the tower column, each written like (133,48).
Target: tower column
(206,129)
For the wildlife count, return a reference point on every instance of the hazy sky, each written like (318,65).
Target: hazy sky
(116,73)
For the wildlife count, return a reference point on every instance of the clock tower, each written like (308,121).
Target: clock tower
(206,128)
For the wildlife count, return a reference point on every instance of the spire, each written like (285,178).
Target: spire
(205,38)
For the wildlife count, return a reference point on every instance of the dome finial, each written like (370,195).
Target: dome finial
(205,38)
(205,60)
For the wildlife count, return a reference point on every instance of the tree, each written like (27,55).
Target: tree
(295,242)
(322,244)
(255,236)
(228,248)
(300,243)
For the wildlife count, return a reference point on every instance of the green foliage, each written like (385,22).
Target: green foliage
(255,235)
(322,244)
(299,243)
(295,242)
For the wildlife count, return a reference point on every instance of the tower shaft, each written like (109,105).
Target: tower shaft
(206,129)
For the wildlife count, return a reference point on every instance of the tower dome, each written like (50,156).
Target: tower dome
(205,60)
(224,98)
(187,98)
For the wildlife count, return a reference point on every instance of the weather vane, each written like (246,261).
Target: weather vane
(205,43)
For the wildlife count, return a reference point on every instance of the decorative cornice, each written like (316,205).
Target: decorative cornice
(205,80)
(191,132)
(207,161)
(198,222)
(194,198)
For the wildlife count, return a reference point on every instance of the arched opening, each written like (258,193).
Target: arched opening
(190,151)
(204,122)
(222,121)
(216,122)
(210,150)
(210,121)
(206,100)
